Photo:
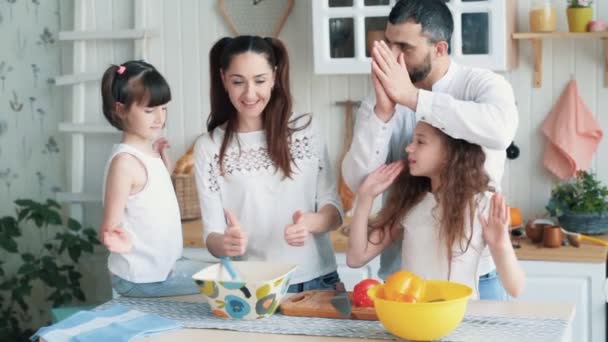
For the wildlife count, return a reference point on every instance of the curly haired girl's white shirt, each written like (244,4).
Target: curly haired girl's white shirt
(425,253)
(153,220)
(263,200)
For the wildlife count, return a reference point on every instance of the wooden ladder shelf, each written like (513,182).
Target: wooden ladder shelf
(537,46)
(76,125)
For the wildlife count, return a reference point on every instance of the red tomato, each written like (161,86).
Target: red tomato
(360,297)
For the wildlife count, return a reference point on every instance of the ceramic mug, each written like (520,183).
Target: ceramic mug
(534,231)
(552,236)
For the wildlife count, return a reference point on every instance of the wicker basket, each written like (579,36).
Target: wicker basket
(187,196)
(586,223)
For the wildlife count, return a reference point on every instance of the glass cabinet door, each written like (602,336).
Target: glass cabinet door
(482,33)
(341,38)
(344,30)
(475,33)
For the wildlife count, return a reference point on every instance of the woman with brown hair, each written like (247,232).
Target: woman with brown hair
(440,200)
(265,185)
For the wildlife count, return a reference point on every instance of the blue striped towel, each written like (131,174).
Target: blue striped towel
(117,323)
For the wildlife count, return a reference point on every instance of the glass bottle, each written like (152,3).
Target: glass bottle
(543,17)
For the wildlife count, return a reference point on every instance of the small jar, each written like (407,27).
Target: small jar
(543,17)
(552,236)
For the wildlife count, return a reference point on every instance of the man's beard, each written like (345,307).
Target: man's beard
(420,72)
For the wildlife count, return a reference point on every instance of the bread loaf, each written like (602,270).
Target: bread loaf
(185,164)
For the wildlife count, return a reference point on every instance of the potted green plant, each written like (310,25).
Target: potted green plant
(581,204)
(39,253)
(579,13)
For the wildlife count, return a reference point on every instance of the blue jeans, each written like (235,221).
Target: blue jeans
(490,287)
(179,282)
(324,282)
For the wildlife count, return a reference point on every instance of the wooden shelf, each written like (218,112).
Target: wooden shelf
(537,46)
(560,35)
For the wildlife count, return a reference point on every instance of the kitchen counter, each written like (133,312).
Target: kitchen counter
(485,308)
(193,237)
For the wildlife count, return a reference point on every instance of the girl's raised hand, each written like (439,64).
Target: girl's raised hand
(380,179)
(161,146)
(117,240)
(496,226)
(235,240)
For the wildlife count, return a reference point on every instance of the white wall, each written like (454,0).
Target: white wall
(182,50)
(184,32)
(31,149)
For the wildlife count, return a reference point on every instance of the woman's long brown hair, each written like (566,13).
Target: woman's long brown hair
(276,115)
(463,177)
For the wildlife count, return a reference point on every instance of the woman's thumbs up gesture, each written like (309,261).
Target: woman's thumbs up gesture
(235,240)
(297,233)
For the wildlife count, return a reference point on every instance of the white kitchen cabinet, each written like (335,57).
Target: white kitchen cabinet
(571,282)
(342,30)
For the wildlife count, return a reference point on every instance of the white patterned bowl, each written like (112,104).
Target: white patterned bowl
(256,295)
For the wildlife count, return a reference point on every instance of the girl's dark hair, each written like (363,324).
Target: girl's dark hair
(276,115)
(462,178)
(132,82)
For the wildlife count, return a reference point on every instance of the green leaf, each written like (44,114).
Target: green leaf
(8,244)
(23,214)
(52,204)
(28,257)
(74,276)
(26,203)
(87,247)
(583,194)
(74,225)
(79,294)
(9,226)
(53,218)
(26,269)
(38,219)
(74,253)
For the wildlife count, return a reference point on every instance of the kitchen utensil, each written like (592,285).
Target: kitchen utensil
(580,237)
(341,301)
(346,195)
(257,295)
(230,268)
(441,310)
(317,303)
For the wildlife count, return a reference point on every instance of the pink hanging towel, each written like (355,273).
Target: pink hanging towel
(572,133)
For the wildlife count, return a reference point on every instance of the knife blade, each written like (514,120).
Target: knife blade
(341,301)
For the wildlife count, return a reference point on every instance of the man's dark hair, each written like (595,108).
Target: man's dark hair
(433,15)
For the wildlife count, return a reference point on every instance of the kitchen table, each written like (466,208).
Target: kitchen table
(562,311)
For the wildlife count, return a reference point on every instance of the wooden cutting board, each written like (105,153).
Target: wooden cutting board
(317,304)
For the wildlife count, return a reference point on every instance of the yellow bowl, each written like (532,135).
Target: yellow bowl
(256,295)
(436,315)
